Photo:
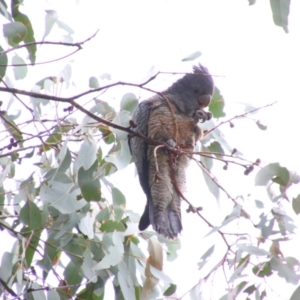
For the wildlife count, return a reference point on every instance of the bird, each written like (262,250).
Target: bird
(170,118)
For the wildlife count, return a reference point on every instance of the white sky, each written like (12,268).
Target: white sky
(254,61)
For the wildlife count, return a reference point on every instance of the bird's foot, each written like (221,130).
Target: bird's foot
(202,116)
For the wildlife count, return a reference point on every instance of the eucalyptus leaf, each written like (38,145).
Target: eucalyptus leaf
(192,56)
(15,32)
(281,10)
(94,83)
(270,172)
(3,63)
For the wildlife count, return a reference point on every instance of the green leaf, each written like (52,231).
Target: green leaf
(20,17)
(243,263)
(64,26)
(281,10)
(30,215)
(64,160)
(73,276)
(205,256)
(114,253)
(93,291)
(104,109)
(3,10)
(29,154)
(216,106)
(240,287)
(94,83)
(294,178)
(108,136)
(254,250)
(285,270)
(285,223)
(62,195)
(32,247)
(122,118)
(6,266)
(259,204)
(11,127)
(250,289)
(192,56)
(236,213)
(170,290)
(65,223)
(296,204)
(87,154)
(75,249)
(195,292)
(216,147)
(125,282)
(2,198)
(130,262)
(106,76)
(208,163)
(261,126)
(119,203)
(103,215)
(111,226)
(67,74)
(172,246)
(54,138)
(160,275)
(90,186)
(15,32)
(5,172)
(129,102)
(87,265)
(46,84)
(50,20)
(3,64)
(52,295)
(273,172)
(120,155)
(20,72)
(262,269)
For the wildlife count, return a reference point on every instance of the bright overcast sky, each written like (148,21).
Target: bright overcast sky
(253,61)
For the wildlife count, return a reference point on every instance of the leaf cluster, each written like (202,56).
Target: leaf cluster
(71,228)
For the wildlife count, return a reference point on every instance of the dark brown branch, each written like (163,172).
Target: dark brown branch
(68,100)
(7,288)
(18,98)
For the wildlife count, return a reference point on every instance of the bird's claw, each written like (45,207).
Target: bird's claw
(202,116)
(171,143)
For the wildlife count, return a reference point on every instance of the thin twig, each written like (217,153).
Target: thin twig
(214,179)
(17,97)
(238,116)
(78,45)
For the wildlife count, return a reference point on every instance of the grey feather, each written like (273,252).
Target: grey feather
(164,185)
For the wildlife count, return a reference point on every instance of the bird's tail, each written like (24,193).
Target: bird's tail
(166,221)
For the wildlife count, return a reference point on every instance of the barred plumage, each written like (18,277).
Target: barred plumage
(176,126)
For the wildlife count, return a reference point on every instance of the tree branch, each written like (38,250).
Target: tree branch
(78,45)
(238,116)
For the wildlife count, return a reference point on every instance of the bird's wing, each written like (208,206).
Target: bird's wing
(138,146)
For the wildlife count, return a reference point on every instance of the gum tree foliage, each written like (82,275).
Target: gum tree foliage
(70,237)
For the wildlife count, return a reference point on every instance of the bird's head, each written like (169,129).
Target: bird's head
(193,91)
